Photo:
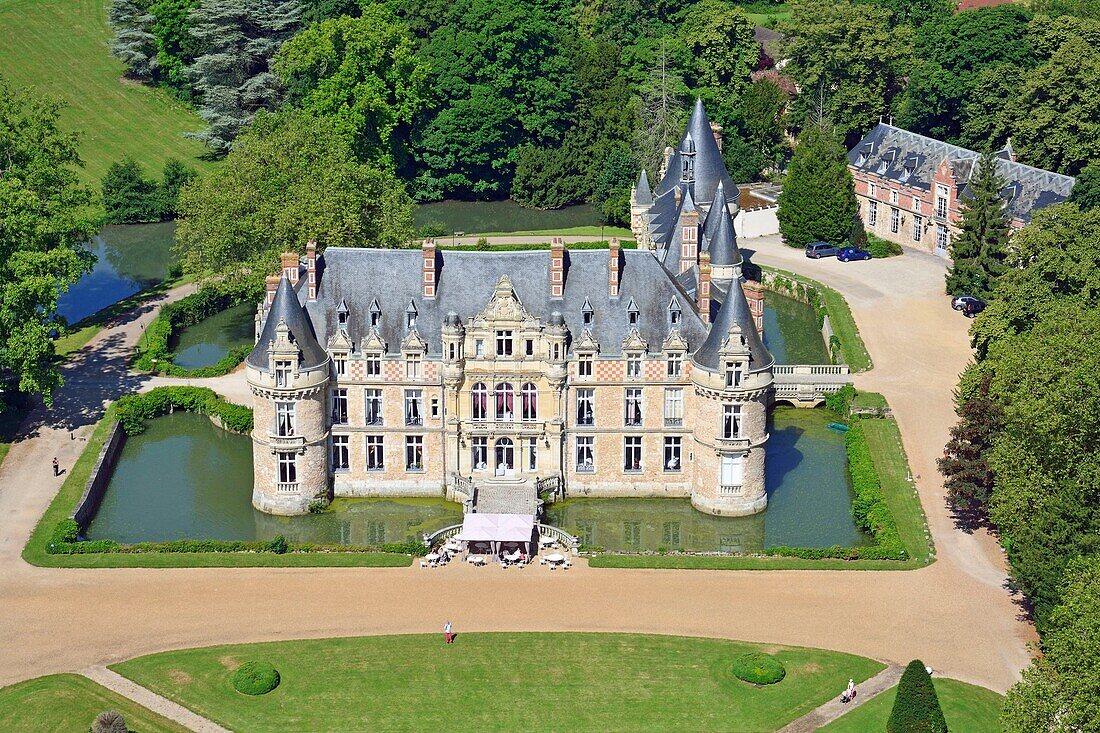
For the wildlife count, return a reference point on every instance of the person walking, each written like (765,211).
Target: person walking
(450,637)
(56,467)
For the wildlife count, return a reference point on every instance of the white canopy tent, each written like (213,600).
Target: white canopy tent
(498,528)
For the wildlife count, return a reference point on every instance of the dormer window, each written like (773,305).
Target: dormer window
(342,314)
(283,374)
(504,343)
(632,313)
(674,314)
(733,374)
(587,315)
(410,316)
(881,168)
(375,314)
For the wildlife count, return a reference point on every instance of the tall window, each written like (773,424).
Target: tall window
(479,395)
(942,195)
(373,406)
(504,343)
(376,460)
(479,347)
(633,406)
(733,374)
(895,220)
(413,366)
(414,452)
(872,213)
(941,237)
(414,407)
(674,314)
(584,366)
(674,406)
(529,347)
(916,204)
(282,374)
(340,365)
(288,471)
(732,474)
(586,407)
(633,365)
(675,365)
(632,453)
(893,197)
(284,419)
(531,455)
(505,400)
(586,457)
(479,453)
(872,190)
(373,365)
(918,228)
(529,400)
(731,421)
(340,452)
(340,406)
(673,449)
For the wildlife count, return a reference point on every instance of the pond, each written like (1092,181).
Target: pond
(482,217)
(129,259)
(206,342)
(184,478)
(791,332)
(809,502)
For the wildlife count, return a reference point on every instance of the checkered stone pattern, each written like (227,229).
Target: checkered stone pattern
(431,370)
(654,370)
(357,369)
(605,370)
(393,370)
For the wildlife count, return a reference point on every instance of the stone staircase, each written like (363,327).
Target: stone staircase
(500,495)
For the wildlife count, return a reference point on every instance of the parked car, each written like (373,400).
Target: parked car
(853,253)
(817,250)
(968,304)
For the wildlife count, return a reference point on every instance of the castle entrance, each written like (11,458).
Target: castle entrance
(505,454)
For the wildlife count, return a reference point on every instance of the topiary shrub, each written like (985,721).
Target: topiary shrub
(109,722)
(255,678)
(916,708)
(758,668)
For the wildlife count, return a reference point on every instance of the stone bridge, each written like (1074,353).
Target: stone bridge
(805,385)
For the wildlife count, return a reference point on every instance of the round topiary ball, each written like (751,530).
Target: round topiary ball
(758,668)
(255,678)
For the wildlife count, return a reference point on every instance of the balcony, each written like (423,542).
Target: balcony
(287,488)
(286,442)
(674,422)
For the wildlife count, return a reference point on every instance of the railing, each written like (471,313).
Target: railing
(550,484)
(435,538)
(563,537)
(286,487)
(287,442)
(463,486)
(811,369)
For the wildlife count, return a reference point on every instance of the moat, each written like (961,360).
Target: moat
(185,478)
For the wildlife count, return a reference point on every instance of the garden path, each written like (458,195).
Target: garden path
(955,614)
(834,708)
(151,700)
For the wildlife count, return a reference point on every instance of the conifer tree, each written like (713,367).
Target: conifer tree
(965,465)
(916,707)
(134,43)
(818,201)
(978,252)
(238,41)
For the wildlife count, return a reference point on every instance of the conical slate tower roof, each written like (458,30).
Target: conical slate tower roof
(710,169)
(286,308)
(734,310)
(642,195)
(718,229)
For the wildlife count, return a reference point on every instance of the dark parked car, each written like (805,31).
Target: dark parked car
(968,304)
(853,253)
(817,250)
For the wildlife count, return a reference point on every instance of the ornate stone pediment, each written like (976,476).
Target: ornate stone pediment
(675,341)
(634,341)
(373,341)
(413,341)
(504,306)
(735,342)
(587,342)
(340,341)
(283,343)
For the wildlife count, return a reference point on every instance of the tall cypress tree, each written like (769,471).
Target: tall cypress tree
(916,707)
(978,252)
(232,74)
(818,201)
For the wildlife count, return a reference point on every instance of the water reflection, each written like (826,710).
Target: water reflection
(501,216)
(791,332)
(206,342)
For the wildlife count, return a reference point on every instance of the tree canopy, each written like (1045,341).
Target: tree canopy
(979,250)
(818,201)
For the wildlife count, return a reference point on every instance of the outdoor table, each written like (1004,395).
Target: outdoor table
(432,556)
(476,559)
(545,540)
(555,557)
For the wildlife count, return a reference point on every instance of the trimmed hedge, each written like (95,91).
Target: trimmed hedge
(153,351)
(133,410)
(869,507)
(758,668)
(255,678)
(916,707)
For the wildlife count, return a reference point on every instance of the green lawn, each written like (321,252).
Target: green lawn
(968,709)
(62,505)
(59,48)
(547,681)
(68,703)
(884,440)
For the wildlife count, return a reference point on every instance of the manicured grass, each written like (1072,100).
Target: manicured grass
(967,708)
(869,399)
(743,562)
(59,48)
(68,703)
(546,681)
(73,486)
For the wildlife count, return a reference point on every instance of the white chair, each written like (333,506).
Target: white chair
(423,563)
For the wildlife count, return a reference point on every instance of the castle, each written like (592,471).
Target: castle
(618,372)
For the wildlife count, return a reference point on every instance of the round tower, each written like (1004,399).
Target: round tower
(288,374)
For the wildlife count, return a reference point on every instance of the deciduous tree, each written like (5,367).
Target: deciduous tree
(1086,191)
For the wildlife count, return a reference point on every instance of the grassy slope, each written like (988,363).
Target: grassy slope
(64,703)
(58,47)
(968,709)
(35,551)
(499,682)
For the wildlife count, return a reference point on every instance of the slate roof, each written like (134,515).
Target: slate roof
(911,159)
(710,169)
(719,238)
(287,307)
(734,308)
(642,194)
(466,280)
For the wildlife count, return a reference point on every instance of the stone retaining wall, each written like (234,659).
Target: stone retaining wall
(100,477)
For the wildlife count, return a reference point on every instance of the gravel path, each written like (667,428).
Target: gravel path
(151,700)
(833,709)
(955,614)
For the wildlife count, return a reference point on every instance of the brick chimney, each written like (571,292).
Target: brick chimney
(311,269)
(754,294)
(429,270)
(270,286)
(702,291)
(716,130)
(689,240)
(614,267)
(290,266)
(557,268)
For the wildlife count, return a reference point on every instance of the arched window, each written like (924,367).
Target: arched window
(480,398)
(505,402)
(529,402)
